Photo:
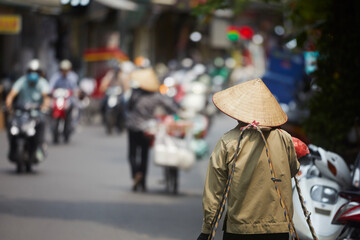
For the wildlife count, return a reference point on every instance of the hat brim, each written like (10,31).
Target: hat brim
(251,101)
(146,79)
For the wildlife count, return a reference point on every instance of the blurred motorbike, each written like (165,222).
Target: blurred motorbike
(61,114)
(86,88)
(322,175)
(348,214)
(114,110)
(22,127)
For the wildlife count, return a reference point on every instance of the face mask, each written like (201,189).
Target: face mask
(33,77)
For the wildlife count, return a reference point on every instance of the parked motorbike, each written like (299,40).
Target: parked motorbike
(22,132)
(348,214)
(114,110)
(322,176)
(61,114)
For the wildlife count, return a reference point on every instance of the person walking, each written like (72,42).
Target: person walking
(251,168)
(144,100)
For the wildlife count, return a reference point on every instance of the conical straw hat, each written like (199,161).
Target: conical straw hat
(251,101)
(146,79)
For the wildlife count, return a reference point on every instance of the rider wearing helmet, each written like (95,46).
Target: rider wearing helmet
(65,78)
(30,88)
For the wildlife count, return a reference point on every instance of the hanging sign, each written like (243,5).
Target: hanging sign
(10,24)
(104,54)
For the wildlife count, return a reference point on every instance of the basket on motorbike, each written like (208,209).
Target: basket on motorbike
(172,145)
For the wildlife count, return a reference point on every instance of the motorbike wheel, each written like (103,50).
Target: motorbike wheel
(56,131)
(66,137)
(109,122)
(171,178)
(67,130)
(28,167)
(120,122)
(19,167)
(349,232)
(21,155)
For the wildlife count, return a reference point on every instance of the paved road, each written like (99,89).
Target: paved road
(83,191)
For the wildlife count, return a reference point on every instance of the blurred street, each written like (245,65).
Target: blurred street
(78,72)
(83,191)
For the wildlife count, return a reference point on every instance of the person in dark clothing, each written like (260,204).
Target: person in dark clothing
(141,107)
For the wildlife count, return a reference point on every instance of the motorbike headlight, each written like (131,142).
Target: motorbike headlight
(14,130)
(60,103)
(324,194)
(31,132)
(112,101)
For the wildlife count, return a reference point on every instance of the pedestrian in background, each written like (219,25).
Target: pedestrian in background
(144,100)
(251,168)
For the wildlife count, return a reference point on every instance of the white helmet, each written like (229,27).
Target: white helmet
(65,65)
(34,65)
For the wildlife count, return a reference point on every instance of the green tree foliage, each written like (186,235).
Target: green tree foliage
(333,29)
(336,106)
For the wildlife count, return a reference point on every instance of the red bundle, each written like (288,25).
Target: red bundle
(300,147)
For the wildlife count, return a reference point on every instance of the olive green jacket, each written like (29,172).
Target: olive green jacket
(253,205)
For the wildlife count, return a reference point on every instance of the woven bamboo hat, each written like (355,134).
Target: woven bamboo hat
(251,101)
(146,79)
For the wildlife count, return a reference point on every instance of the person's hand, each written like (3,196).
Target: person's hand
(8,103)
(203,236)
(44,108)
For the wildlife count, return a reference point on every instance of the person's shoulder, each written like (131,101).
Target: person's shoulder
(43,84)
(19,82)
(73,75)
(21,79)
(43,81)
(55,76)
(231,135)
(284,135)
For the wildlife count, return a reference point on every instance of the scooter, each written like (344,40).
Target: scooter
(348,214)
(322,176)
(61,114)
(22,132)
(114,110)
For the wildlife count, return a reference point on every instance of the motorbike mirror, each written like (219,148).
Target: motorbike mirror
(356,173)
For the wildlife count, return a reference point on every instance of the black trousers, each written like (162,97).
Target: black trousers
(139,146)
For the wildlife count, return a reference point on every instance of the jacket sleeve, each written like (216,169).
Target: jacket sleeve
(168,103)
(214,184)
(293,161)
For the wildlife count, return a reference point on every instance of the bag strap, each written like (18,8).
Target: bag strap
(221,207)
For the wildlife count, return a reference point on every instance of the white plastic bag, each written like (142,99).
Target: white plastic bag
(171,151)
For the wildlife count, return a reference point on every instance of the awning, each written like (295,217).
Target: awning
(33,3)
(104,54)
(119,4)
